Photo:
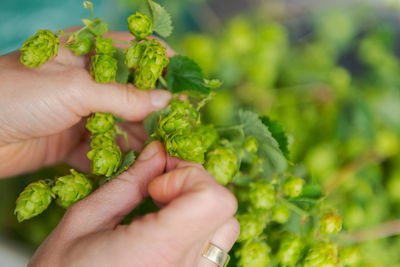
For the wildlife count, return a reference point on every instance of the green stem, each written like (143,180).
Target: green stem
(122,42)
(163,82)
(294,208)
(123,133)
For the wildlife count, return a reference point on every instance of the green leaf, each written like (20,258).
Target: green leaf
(274,160)
(184,74)
(123,71)
(127,160)
(162,23)
(98,27)
(278,133)
(151,121)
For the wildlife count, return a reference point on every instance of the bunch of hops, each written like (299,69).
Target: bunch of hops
(104,65)
(104,152)
(39,48)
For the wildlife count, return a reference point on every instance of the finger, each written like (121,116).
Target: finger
(224,238)
(196,204)
(106,207)
(66,56)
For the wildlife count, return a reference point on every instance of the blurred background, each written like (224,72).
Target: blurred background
(329,72)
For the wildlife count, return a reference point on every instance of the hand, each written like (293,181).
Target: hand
(196,210)
(41,110)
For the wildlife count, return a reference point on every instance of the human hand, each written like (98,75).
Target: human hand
(41,110)
(195,210)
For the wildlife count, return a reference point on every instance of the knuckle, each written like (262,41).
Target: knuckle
(235,228)
(226,199)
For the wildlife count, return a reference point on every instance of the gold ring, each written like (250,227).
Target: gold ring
(216,255)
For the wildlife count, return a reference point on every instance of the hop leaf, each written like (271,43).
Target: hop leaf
(140,25)
(102,140)
(330,223)
(278,133)
(293,186)
(100,123)
(186,146)
(254,254)
(290,250)
(71,188)
(262,195)
(104,68)
(105,160)
(39,48)
(222,163)
(81,46)
(151,65)
(251,225)
(322,254)
(280,213)
(35,198)
(105,46)
(134,54)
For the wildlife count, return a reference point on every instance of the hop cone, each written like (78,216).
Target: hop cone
(350,256)
(172,124)
(280,213)
(208,135)
(35,198)
(293,186)
(105,46)
(104,68)
(81,46)
(151,65)
(105,160)
(290,250)
(71,188)
(262,195)
(330,223)
(254,254)
(251,225)
(184,108)
(134,54)
(102,140)
(100,123)
(323,254)
(222,163)
(39,48)
(140,25)
(250,145)
(186,146)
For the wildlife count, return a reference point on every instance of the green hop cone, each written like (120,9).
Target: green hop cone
(290,250)
(209,136)
(251,225)
(134,54)
(81,46)
(254,254)
(293,186)
(140,25)
(71,188)
(100,123)
(105,160)
(35,198)
(330,223)
(151,65)
(104,68)
(172,124)
(39,48)
(250,144)
(222,163)
(184,108)
(102,140)
(280,213)
(186,146)
(322,254)
(262,195)
(105,46)
(349,256)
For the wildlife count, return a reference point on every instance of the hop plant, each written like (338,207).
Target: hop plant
(39,48)
(172,124)
(186,146)
(290,250)
(280,213)
(184,108)
(222,163)
(262,195)
(209,136)
(105,46)
(330,223)
(35,198)
(250,144)
(71,188)
(252,225)
(254,254)
(81,46)
(293,186)
(140,25)
(151,65)
(322,254)
(134,54)
(102,140)
(105,160)
(100,123)
(104,68)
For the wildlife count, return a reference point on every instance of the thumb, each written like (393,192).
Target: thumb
(106,207)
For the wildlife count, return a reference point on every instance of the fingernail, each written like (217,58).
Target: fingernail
(160,98)
(149,151)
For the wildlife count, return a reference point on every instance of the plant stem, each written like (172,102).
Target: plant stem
(163,82)
(294,208)
(121,42)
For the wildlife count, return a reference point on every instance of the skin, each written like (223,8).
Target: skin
(42,116)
